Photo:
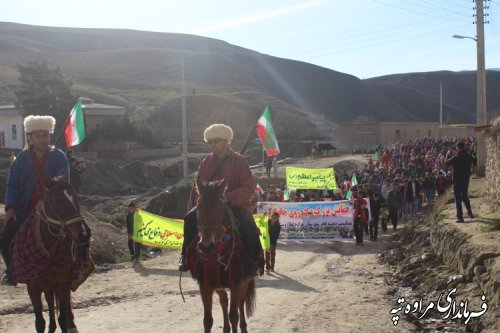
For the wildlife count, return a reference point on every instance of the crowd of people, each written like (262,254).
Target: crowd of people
(394,184)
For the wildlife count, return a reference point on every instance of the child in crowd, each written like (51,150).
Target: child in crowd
(274,233)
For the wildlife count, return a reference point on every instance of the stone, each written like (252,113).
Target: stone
(478,270)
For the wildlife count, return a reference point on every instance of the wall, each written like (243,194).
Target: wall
(365,136)
(10,141)
(6,123)
(492,180)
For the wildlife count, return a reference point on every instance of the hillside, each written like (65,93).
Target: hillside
(142,70)
(459,89)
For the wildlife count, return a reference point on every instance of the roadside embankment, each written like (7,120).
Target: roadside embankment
(471,248)
(432,255)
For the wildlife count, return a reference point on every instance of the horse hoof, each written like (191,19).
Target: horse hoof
(73,330)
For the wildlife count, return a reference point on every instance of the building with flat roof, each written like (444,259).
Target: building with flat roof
(366,136)
(95,115)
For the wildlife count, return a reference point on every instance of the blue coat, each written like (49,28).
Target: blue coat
(21,170)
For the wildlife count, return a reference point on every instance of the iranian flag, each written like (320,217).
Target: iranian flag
(259,189)
(354,180)
(265,132)
(74,132)
(286,195)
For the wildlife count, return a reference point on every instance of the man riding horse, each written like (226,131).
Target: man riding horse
(224,163)
(23,189)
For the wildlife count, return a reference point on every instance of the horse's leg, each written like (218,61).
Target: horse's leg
(243,291)
(72,326)
(233,307)
(65,314)
(49,297)
(224,303)
(36,299)
(206,297)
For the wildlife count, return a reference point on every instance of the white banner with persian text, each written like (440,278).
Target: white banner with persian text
(319,220)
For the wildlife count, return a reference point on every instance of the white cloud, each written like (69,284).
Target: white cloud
(244,20)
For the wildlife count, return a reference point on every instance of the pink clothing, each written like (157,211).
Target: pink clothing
(234,168)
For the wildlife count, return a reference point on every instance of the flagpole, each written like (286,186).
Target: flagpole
(61,131)
(263,157)
(247,140)
(64,126)
(184,124)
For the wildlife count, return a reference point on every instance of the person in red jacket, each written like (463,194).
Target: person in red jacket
(224,163)
(440,184)
(360,216)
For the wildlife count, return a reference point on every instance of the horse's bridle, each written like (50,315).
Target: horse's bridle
(209,227)
(57,222)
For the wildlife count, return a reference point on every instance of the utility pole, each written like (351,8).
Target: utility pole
(481,89)
(184,124)
(440,105)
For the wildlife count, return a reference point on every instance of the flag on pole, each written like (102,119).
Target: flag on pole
(259,189)
(74,132)
(286,195)
(354,181)
(266,134)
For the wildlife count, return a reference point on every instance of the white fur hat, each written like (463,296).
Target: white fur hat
(218,131)
(39,123)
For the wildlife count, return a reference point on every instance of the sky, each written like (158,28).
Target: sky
(364,38)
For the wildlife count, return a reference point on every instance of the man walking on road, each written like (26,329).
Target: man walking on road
(461,163)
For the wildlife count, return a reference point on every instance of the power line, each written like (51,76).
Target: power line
(352,34)
(164,69)
(460,4)
(381,43)
(433,6)
(408,10)
(387,37)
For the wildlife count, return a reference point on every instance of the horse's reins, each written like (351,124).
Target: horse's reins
(234,226)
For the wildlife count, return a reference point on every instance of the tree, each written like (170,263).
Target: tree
(44,91)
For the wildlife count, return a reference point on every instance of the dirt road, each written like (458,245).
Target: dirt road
(320,287)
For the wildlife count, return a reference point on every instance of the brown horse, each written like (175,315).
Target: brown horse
(61,239)
(217,260)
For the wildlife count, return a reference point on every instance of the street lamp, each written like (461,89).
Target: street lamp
(481,96)
(464,37)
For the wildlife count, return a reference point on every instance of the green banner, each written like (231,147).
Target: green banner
(262,220)
(157,231)
(310,179)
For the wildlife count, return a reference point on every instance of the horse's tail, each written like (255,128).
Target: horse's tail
(58,303)
(250,298)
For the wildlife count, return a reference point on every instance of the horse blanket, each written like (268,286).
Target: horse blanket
(30,259)
(221,268)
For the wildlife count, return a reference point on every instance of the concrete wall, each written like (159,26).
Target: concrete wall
(13,140)
(492,181)
(366,136)
(92,121)
(10,139)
